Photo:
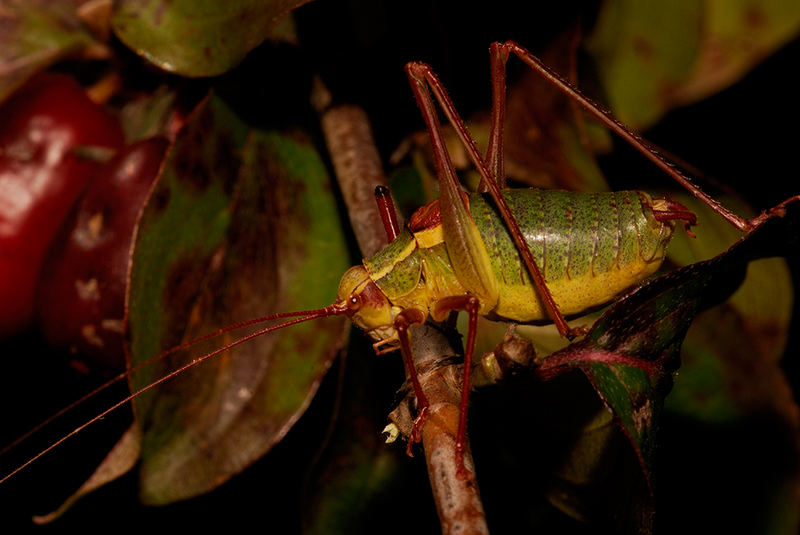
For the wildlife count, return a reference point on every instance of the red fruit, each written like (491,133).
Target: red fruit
(41,175)
(82,289)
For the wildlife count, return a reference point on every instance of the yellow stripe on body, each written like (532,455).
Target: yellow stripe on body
(429,237)
(401,255)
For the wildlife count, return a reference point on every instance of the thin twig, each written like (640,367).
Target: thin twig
(458,500)
(357,165)
(358,170)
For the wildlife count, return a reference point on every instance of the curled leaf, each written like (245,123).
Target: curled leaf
(631,352)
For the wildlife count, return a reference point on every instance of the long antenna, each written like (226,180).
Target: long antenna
(331,310)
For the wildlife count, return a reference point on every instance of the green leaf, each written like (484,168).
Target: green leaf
(196,38)
(643,51)
(655,56)
(241,224)
(737,35)
(34,34)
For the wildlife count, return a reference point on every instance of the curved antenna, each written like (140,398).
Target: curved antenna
(330,310)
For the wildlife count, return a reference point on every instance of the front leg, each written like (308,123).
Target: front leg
(472,306)
(402,322)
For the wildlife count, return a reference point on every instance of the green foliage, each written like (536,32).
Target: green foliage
(654,56)
(194,38)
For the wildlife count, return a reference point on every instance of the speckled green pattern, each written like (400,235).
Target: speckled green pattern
(589,246)
(628,209)
(582,253)
(651,244)
(397,268)
(557,210)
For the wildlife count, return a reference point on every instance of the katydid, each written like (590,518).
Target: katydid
(521,256)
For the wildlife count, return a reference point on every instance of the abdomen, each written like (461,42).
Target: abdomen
(589,247)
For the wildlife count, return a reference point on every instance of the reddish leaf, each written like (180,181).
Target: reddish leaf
(632,350)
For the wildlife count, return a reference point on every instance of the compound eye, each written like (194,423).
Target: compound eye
(354,302)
